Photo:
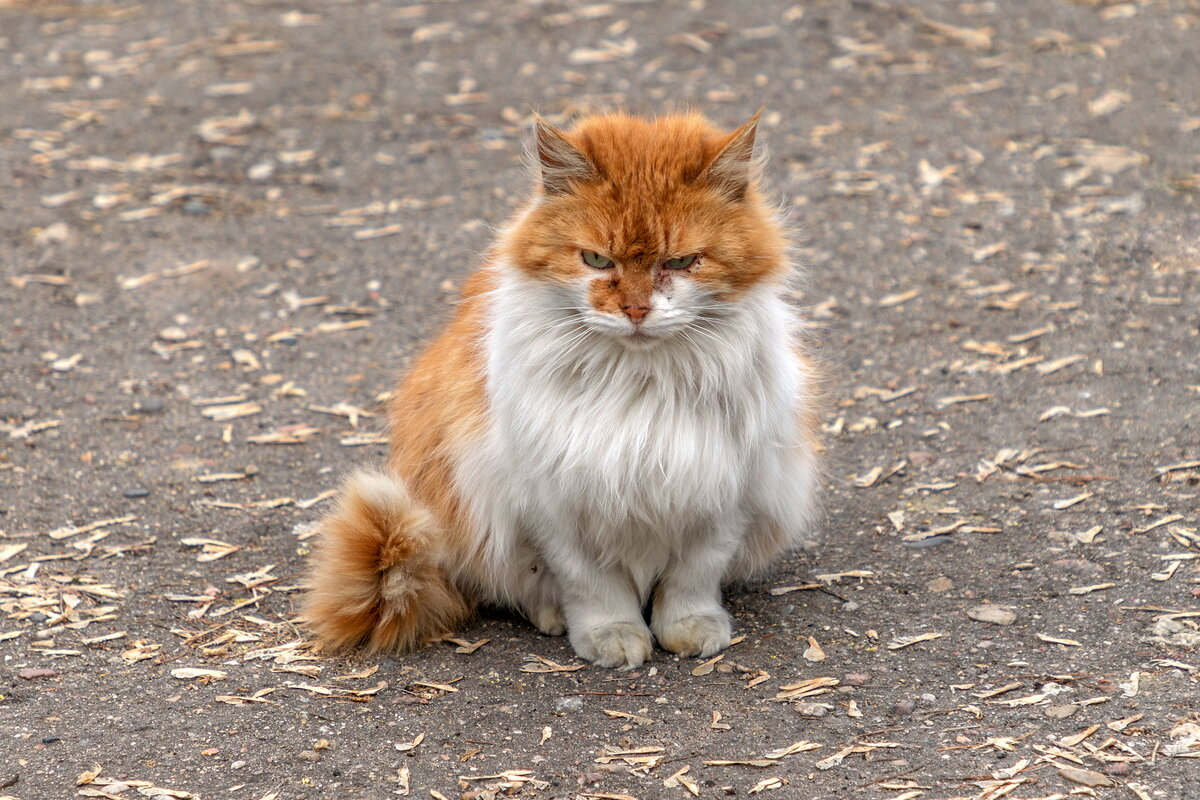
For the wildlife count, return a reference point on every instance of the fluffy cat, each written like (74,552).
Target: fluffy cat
(619,414)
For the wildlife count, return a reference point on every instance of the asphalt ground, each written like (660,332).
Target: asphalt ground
(228,226)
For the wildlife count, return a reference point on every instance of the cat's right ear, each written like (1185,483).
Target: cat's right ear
(559,161)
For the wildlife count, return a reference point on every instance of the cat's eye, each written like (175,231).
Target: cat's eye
(683,262)
(596,260)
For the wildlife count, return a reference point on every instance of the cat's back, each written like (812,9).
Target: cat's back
(440,403)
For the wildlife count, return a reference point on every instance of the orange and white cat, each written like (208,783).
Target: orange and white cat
(620,414)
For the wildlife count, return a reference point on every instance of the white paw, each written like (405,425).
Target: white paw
(696,635)
(618,644)
(548,619)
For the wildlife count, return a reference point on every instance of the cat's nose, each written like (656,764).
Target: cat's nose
(636,313)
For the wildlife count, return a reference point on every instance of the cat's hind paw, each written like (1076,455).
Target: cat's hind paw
(548,619)
(624,645)
(696,635)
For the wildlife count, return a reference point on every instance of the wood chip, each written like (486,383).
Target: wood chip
(1072,741)
(781,590)
(232,411)
(946,402)
(63,533)
(367,234)
(1062,505)
(1096,587)
(801,746)
(1055,640)
(1085,777)
(1051,367)
(545,666)
(893,300)
(901,642)
(192,673)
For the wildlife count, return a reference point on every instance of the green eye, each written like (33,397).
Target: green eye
(683,262)
(596,260)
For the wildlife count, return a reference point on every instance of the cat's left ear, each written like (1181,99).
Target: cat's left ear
(733,169)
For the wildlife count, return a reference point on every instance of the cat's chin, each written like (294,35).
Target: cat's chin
(640,340)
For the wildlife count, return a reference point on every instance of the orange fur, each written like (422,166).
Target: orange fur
(641,210)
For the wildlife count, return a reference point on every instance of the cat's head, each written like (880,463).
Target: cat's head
(645,227)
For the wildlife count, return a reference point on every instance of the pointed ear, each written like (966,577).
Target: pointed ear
(733,169)
(560,161)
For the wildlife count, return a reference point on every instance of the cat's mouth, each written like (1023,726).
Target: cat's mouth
(638,339)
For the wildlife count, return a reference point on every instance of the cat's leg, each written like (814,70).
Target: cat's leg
(542,601)
(688,617)
(604,621)
(602,607)
(525,584)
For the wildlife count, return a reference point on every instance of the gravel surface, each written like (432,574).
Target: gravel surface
(227,227)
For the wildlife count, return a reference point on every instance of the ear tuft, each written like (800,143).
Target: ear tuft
(733,169)
(560,161)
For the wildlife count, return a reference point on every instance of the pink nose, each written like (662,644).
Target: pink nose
(636,313)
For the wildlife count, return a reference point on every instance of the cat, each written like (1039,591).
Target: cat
(621,413)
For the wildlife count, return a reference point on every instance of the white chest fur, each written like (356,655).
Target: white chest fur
(631,452)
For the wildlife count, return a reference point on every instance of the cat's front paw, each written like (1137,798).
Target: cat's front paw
(696,635)
(618,644)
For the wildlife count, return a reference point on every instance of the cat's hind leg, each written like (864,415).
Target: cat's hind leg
(531,589)
(542,603)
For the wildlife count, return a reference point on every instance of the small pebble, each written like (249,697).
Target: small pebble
(939,585)
(855,678)
(149,405)
(308,755)
(1060,712)
(920,458)
(261,171)
(567,705)
(136,492)
(1118,768)
(929,541)
(904,707)
(1079,566)
(237,765)
(850,605)
(590,778)
(997,615)
(51,739)
(814,710)
(195,207)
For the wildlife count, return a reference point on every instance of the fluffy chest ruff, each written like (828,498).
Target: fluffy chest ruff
(633,452)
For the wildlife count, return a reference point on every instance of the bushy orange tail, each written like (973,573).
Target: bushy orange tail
(376,577)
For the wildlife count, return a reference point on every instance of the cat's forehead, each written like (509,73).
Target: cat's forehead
(634,153)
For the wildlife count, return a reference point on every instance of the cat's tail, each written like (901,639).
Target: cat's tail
(377,576)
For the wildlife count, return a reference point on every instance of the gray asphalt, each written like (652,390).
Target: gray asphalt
(274,203)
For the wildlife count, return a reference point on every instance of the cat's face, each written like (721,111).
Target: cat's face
(647,228)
